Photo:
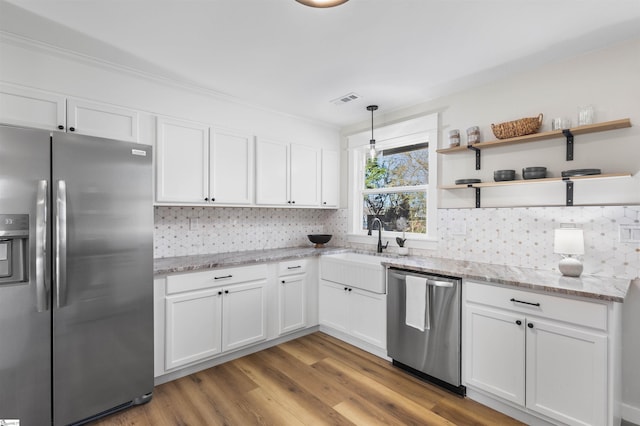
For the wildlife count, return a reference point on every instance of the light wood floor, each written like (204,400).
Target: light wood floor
(314,380)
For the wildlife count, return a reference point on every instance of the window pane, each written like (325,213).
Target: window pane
(398,211)
(405,166)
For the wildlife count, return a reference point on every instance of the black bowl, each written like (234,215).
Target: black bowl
(503,175)
(534,173)
(319,239)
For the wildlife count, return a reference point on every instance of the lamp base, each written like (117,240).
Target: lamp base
(570,267)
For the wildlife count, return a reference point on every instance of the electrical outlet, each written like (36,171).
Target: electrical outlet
(193,223)
(629,233)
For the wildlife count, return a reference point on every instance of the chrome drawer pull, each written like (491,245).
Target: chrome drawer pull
(220,278)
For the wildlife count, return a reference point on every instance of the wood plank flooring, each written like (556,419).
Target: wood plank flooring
(313,380)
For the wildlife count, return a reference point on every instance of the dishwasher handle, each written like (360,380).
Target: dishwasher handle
(439,283)
(429,281)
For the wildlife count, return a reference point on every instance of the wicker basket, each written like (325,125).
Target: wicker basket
(515,128)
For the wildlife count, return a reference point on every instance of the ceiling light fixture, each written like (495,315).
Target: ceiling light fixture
(322,3)
(372,142)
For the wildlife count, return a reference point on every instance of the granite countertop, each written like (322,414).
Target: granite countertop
(171,265)
(591,286)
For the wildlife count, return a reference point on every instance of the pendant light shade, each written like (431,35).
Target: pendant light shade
(372,142)
(322,3)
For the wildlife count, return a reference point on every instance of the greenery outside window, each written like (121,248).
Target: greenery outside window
(395,189)
(399,186)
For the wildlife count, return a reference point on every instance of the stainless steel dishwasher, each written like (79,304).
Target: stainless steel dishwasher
(424,338)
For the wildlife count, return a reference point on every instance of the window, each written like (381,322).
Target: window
(398,186)
(395,189)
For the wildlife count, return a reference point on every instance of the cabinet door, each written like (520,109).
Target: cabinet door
(105,121)
(495,353)
(566,373)
(32,108)
(192,328)
(272,171)
(182,162)
(305,176)
(368,317)
(292,303)
(333,309)
(330,178)
(244,315)
(231,174)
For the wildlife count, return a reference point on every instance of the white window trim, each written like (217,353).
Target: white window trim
(417,130)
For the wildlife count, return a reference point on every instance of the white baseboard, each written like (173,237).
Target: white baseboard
(220,359)
(358,343)
(631,413)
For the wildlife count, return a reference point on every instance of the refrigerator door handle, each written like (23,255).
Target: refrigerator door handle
(42,290)
(61,244)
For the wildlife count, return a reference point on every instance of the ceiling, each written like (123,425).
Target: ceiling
(281,55)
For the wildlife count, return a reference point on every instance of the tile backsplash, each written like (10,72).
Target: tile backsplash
(521,237)
(182,231)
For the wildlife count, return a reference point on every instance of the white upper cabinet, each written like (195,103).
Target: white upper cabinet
(272,171)
(182,162)
(22,106)
(305,176)
(32,108)
(204,165)
(106,121)
(231,161)
(330,178)
(287,174)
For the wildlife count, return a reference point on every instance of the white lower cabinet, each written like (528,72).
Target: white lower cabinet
(548,355)
(495,346)
(192,330)
(292,296)
(359,313)
(207,313)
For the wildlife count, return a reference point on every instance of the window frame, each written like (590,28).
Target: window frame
(410,132)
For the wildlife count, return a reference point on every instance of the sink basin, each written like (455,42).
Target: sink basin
(357,270)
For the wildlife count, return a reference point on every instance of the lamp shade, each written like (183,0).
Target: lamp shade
(568,241)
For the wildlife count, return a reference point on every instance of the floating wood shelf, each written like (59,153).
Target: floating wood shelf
(529,181)
(568,180)
(580,130)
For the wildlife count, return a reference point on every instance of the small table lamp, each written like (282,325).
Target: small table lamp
(568,242)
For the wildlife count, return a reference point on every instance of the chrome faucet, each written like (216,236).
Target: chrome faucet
(380,246)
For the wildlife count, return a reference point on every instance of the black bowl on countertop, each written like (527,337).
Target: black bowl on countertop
(319,239)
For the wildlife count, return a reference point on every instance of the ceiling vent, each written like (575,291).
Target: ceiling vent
(345,99)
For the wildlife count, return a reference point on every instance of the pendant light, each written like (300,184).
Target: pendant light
(322,3)
(372,142)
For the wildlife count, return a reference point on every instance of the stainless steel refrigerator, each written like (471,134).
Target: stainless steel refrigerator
(76,276)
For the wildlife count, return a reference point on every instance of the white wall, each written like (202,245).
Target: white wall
(31,64)
(608,79)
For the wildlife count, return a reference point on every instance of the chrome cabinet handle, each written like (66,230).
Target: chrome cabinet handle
(223,277)
(42,289)
(294,267)
(61,244)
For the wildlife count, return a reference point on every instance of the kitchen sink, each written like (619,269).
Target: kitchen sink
(359,270)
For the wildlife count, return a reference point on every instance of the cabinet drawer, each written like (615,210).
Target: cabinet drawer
(214,278)
(291,267)
(579,312)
